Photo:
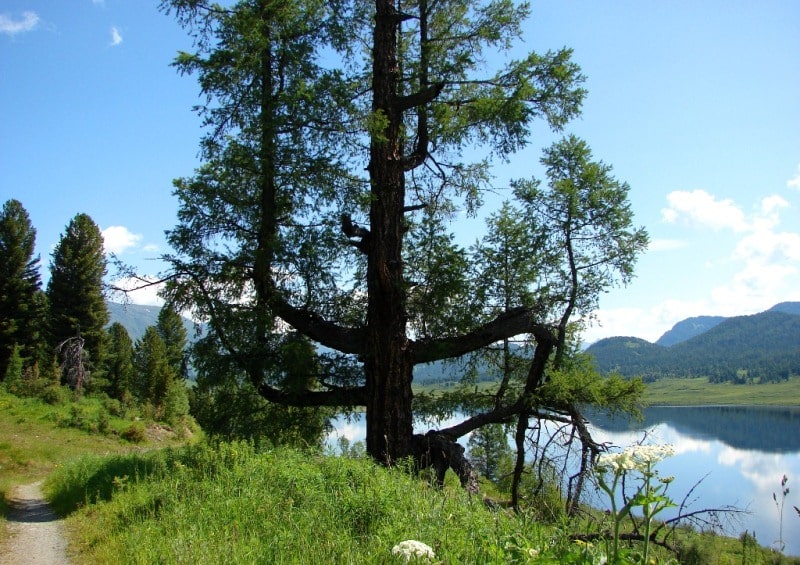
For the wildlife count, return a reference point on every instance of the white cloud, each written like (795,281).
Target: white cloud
(794,182)
(701,209)
(645,323)
(118,239)
(666,244)
(140,290)
(10,26)
(766,258)
(116,36)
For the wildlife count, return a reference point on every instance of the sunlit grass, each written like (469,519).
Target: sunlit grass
(698,391)
(36,437)
(234,503)
(281,506)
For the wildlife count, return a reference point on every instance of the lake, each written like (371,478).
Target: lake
(737,454)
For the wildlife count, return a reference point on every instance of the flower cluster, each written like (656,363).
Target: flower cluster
(412,548)
(635,458)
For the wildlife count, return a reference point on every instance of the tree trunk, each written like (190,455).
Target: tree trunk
(387,362)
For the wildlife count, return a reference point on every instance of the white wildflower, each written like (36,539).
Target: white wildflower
(636,457)
(412,548)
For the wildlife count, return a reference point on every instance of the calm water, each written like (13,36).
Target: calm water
(737,454)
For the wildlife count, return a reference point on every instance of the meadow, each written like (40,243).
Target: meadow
(179,501)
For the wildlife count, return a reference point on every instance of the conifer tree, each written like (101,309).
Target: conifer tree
(153,373)
(173,334)
(75,292)
(22,305)
(119,363)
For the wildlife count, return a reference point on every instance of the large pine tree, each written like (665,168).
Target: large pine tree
(21,299)
(331,175)
(75,291)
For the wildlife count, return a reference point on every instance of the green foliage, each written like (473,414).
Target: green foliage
(12,378)
(490,453)
(230,499)
(584,211)
(233,409)
(21,300)
(577,383)
(172,332)
(75,290)
(119,362)
(152,370)
(135,433)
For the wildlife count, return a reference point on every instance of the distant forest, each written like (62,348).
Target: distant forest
(760,348)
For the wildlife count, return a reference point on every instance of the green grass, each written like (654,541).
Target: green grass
(36,437)
(203,503)
(200,503)
(694,392)
(698,391)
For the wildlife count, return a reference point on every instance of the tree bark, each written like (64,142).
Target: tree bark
(387,362)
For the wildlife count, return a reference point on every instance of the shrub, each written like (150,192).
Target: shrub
(135,433)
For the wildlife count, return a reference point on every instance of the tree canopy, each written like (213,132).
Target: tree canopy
(21,300)
(335,161)
(75,296)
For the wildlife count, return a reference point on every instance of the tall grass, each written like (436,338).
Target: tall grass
(234,503)
(231,503)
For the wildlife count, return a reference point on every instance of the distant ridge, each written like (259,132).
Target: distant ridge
(136,318)
(689,328)
(761,347)
(787,307)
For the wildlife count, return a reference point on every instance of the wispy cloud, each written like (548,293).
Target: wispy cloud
(794,182)
(116,36)
(666,244)
(699,208)
(762,251)
(140,290)
(11,26)
(118,239)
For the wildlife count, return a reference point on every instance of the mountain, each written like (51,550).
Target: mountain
(689,328)
(763,346)
(787,307)
(136,319)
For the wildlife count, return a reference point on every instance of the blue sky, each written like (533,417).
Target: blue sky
(695,104)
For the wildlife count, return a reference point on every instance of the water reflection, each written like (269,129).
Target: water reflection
(737,454)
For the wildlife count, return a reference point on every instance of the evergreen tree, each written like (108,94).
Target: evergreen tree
(75,292)
(173,334)
(21,300)
(119,363)
(153,372)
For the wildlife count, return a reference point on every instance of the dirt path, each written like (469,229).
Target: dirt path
(36,535)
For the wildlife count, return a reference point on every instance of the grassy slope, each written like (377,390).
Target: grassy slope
(134,504)
(34,440)
(698,391)
(286,506)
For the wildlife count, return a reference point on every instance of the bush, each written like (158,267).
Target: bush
(55,395)
(135,433)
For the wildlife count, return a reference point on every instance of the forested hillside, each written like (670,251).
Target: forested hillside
(763,347)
